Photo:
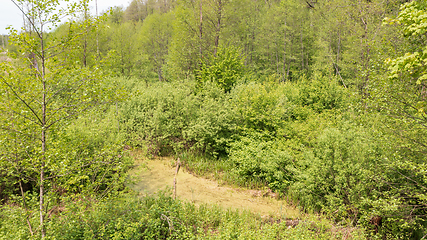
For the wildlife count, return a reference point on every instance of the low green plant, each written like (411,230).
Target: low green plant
(207,166)
(171,119)
(261,162)
(126,216)
(337,175)
(261,107)
(224,68)
(321,93)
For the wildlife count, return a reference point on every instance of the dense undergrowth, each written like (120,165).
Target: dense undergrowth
(126,216)
(330,114)
(311,141)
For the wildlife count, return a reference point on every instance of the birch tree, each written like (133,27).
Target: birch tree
(41,90)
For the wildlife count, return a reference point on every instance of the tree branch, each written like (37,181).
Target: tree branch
(24,102)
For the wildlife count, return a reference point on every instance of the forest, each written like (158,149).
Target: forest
(323,103)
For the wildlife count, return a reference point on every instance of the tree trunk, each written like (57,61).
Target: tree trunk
(97,33)
(85,43)
(285,75)
(44,133)
(201,29)
(302,50)
(218,26)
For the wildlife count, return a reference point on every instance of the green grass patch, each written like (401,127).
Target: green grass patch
(160,217)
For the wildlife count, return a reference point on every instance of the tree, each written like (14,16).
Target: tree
(184,47)
(41,91)
(351,40)
(285,40)
(138,10)
(402,96)
(123,47)
(224,69)
(154,37)
(243,21)
(404,93)
(197,33)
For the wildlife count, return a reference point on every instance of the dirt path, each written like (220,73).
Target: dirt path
(157,174)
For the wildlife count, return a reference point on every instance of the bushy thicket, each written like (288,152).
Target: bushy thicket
(257,161)
(262,127)
(309,140)
(170,117)
(91,152)
(178,116)
(224,69)
(129,217)
(338,173)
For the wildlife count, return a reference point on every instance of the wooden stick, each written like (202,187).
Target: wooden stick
(178,165)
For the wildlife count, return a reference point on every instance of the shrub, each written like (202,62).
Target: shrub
(262,107)
(224,69)
(261,162)
(338,173)
(321,93)
(129,217)
(170,118)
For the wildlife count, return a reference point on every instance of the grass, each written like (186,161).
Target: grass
(246,213)
(200,165)
(203,210)
(128,217)
(152,175)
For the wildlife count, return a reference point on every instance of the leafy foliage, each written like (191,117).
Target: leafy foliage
(256,160)
(171,119)
(225,69)
(290,95)
(129,217)
(321,94)
(339,172)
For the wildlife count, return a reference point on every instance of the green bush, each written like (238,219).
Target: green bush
(170,118)
(214,125)
(402,199)
(121,218)
(258,162)
(262,107)
(321,93)
(338,173)
(89,160)
(157,115)
(94,150)
(129,217)
(224,69)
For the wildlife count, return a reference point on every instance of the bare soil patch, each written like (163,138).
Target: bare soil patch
(152,175)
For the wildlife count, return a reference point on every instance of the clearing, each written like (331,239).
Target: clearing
(152,175)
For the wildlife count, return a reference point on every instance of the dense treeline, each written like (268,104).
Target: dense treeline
(323,102)
(285,38)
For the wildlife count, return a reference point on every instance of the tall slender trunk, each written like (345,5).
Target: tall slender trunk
(302,50)
(42,178)
(201,29)
(98,57)
(44,133)
(84,52)
(338,47)
(85,43)
(159,72)
(218,26)
(365,58)
(285,75)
